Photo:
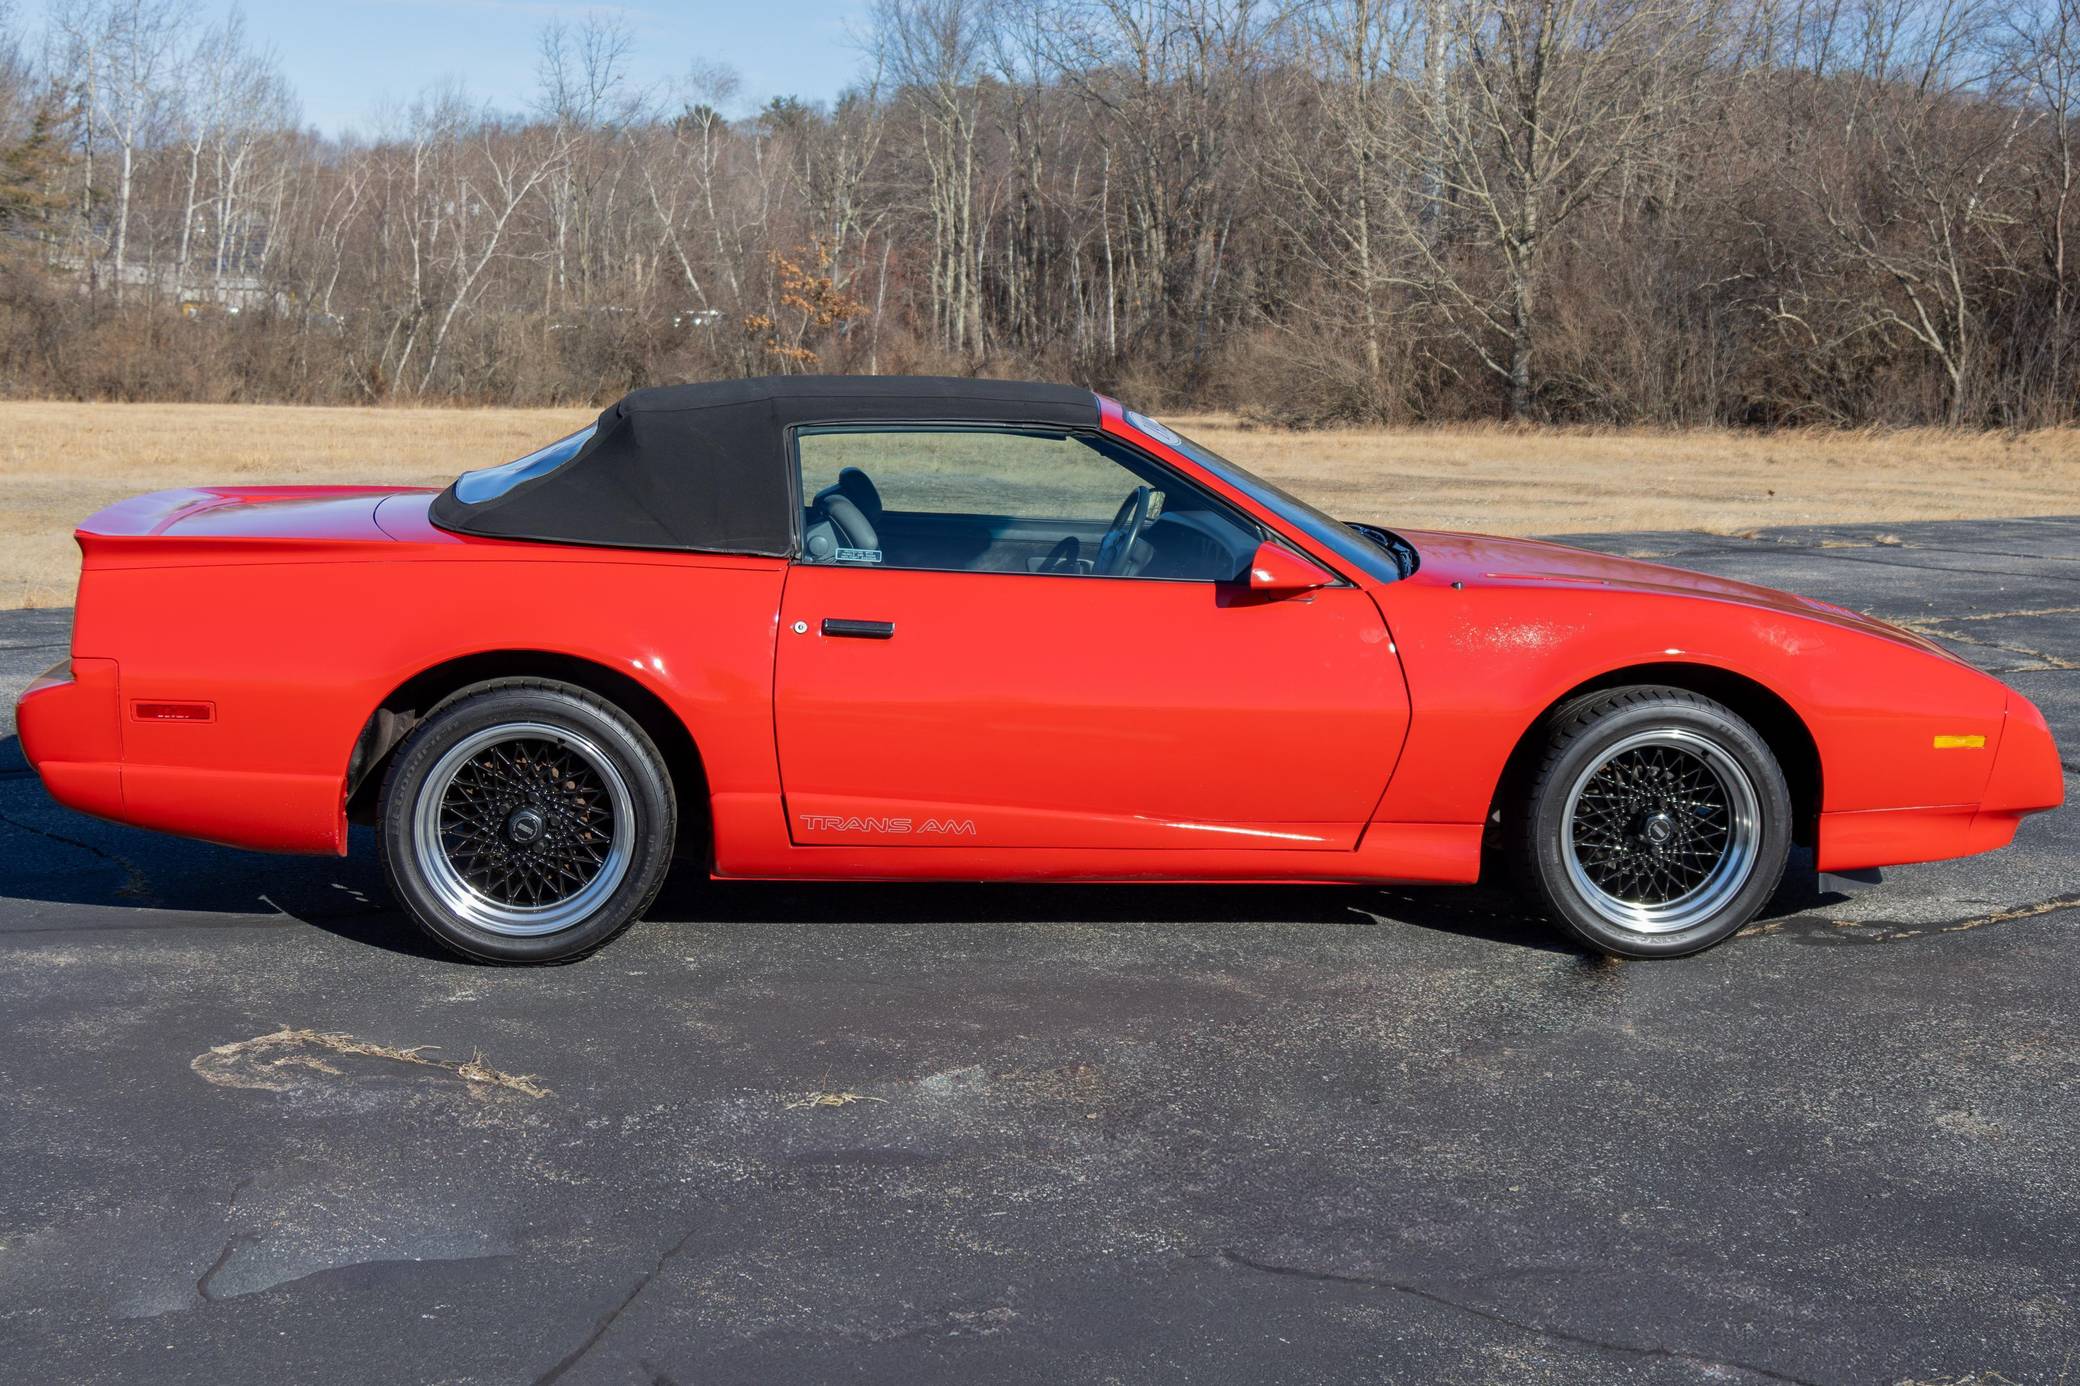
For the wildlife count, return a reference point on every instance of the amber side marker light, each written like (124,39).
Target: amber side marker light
(174,712)
(1960,743)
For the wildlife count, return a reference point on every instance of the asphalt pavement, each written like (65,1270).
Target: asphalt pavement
(251,1130)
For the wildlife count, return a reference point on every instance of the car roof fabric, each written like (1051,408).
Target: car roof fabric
(705,467)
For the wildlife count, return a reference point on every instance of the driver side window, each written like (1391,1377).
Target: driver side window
(1009,500)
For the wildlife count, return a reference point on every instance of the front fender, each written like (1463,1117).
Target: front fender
(1895,724)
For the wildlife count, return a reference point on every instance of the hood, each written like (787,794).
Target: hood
(1488,561)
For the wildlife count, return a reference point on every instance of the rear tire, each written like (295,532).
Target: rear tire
(1656,823)
(527,822)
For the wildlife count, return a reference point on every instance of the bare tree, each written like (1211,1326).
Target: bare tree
(1920,193)
(1165,83)
(1342,153)
(124,48)
(1545,102)
(1662,210)
(932,51)
(586,97)
(2046,66)
(490,177)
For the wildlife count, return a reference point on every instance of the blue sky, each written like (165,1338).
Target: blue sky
(346,57)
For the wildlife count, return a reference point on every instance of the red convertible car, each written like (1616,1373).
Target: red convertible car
(878,628)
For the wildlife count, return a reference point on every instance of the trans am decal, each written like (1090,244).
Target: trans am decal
(833,823)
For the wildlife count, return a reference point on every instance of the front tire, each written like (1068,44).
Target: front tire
(1656,824)
(527,822)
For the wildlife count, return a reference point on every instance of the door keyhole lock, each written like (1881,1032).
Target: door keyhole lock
(801,627)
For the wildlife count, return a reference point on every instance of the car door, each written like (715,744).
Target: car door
(967,675)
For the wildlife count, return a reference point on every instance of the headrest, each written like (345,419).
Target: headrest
(857,487)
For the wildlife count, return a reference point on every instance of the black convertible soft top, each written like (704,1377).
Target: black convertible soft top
(705,467)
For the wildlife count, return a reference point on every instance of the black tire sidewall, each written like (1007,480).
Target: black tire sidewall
(633,754)
(1579,742)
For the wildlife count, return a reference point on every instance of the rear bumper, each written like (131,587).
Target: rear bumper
(2026,778)
(71,727)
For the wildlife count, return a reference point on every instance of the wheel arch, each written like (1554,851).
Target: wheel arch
(413,700)
(1789,739)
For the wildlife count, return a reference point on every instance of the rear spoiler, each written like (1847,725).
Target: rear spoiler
(214,524)
(152,515)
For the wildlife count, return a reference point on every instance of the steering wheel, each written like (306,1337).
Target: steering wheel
(1062,557)
(1117,546)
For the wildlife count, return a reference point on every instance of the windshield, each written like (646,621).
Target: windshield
(1385,561)
(489,483)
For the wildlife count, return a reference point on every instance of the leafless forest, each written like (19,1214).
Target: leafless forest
(1759,212)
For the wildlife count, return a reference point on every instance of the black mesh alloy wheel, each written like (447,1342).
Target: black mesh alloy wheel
(527,821)
(1655,824)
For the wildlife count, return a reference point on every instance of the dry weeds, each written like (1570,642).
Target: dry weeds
(828,1099)
(268,1062)
(60,462)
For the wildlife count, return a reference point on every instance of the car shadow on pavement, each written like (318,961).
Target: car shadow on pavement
(1474,913)
(143,880)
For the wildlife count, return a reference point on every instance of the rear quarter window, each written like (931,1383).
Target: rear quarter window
(489,483)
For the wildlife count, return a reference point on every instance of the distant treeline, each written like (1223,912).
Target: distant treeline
(1637,211)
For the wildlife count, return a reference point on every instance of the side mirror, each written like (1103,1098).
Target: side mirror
(1275,571)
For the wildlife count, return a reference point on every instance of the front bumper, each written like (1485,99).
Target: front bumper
(2026,778)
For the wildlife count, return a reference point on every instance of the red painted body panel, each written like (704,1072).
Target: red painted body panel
(1018,726)
(2025,778)
(1037,711)
(297,641)
(71,728)
(253,512)
(1874,705)
(1493,632)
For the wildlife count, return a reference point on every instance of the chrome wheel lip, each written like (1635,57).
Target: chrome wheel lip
(472,906)
(1728,876)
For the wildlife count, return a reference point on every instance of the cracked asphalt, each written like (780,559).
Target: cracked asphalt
(253,1132)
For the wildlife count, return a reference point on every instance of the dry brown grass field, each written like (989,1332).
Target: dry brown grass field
(59,462)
